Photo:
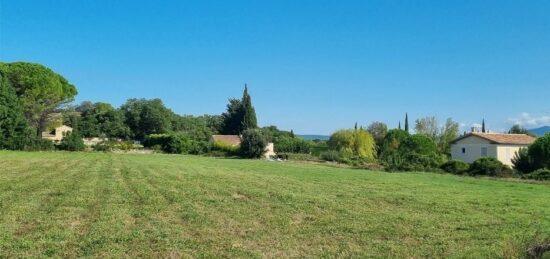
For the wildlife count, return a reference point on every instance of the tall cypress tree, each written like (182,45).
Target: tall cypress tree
(248,111)
(399,127)
(483,126)
(13,126)
(407,122)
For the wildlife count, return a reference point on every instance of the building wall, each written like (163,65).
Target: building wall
(507,152)
(473,147)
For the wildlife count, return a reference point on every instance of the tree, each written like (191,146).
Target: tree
(517,129)
(353,143)
(72,141)
(539,152)
(145,117)
(13,127)
(378,130)
(448,133)
(40,90)
(392,141)
(427,126)
(232,118)
(253,143)
(102,120)
(249,113)
(483,126)
(407,122)
(522,162)
(240,115)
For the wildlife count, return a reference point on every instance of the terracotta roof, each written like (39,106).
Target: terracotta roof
(228,139)
(499,138)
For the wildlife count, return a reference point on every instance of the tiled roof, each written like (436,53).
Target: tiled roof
(498,138)
(228,139)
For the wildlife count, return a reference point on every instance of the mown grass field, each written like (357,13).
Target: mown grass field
(112,205)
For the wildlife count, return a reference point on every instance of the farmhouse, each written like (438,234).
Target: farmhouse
(57,134)
(235,140)
(503,147)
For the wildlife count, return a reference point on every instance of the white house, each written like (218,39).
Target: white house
(503,147)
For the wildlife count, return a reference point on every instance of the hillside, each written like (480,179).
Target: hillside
(107,205)
(540,131)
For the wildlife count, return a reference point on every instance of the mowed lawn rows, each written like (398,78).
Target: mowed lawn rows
(113,205)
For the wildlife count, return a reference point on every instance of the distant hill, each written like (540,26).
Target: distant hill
(314,137)
(540,131)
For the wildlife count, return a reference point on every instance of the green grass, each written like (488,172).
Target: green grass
(111,205)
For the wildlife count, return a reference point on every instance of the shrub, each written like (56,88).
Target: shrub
(405,152)
(539,152)
(489,166)
(330,155)
(38,144)
(103,146)
(455,167)
(228,150)
(175,144)
(540,175)
(72,142)
(522,162)
(253,143)
(287,144)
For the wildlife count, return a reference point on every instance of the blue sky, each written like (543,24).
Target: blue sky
(311,66)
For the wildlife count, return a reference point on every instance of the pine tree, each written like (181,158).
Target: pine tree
(483,126)
(248,111)
(13,126)
(407,122)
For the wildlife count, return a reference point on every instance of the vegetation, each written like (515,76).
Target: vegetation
(72,141)
(455,167)
(540,174)
(536,156)
(240,115)
(113,205)
(14,131)
(253,143)
(351,144)
(489,166)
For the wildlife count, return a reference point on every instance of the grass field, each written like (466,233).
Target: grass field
(111,205)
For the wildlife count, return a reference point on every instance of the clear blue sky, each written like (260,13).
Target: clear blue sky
(312,66)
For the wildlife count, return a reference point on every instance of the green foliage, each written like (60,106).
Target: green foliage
(429,126)
(72,141)
(175,144)
(517,129)
(226,149)
(249,113)
(378,130)
(145,117)
(253,143)
(353,143)
(101,120)
(489,166)
(40,90)
(35,143)
(413,153)
(406,122)
(539,152)
(14,131)
(239,116)
(330,155)
(199,128)
(522,162)
(392,141)
(455,167)
(287,144)
(540,175)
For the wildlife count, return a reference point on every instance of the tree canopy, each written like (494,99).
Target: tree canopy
(39,89)
(240,115)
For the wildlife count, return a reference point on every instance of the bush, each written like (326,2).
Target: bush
(175,144)
(353,143)
(72,142)
(286,144)
(455,167)
(226,149)
(539,152)
(405,152)
(489,166)
(540,175)
(522,162)
(103,146)
(38,144)
(253,143)
(331,156)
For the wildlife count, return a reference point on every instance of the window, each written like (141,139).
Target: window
(463,150)
(484,151)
